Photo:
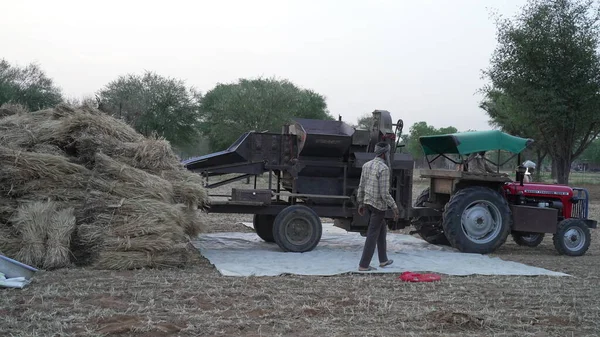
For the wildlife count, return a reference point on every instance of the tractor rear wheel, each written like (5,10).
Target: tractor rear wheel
(477,220)
(297,228)
(528,239)
(263,225)
(429,228)
(572,237)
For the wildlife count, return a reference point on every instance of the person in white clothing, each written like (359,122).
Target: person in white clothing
(530,168)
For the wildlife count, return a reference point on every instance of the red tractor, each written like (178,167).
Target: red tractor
(478,210)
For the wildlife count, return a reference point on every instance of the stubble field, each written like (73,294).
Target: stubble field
(198,301)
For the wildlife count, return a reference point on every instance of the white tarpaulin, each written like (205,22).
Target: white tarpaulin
(338,252)
(15,282)
(14,274)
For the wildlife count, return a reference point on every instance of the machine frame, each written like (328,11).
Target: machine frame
(294,161)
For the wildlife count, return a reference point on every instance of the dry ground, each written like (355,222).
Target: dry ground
(198,301)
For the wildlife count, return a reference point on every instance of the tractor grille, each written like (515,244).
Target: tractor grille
(579,209)
(580,203)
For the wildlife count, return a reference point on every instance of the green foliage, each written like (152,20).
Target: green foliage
(28,86)
(545,77)
(154,104)
(229,110)
(365,122)
(592,153)
(198,147)
(504,115)
(420,129)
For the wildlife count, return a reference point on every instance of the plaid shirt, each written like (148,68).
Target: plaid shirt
(374,185)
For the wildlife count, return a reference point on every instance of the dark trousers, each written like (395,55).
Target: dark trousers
(376,236)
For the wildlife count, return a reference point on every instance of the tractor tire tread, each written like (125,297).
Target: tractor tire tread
(558,241)
(452,211)
(437,238)
(518,239)
(263,226)
(290,212)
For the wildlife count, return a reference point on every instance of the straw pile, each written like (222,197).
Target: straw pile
(78,187)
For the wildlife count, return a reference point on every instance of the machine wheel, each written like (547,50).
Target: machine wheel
(528,239)
(429,228)
(297,228)
(477,220)
(572,237)
(263,225)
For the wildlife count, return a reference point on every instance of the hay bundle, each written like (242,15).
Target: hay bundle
(66,196)
(135,233)
(145,243)
(136,217)
(7,208)
(152,155)
(85,121)
(113,223)
(93,192)
(60,228)
(47,149)
(22,130)
(9,109)
(62,126)
(128,182)
(31,221)
(72,189)
(188,187)
(10,243)
(193,224)
(20,167)
(95,203)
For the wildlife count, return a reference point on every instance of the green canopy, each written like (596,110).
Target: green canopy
(472,142)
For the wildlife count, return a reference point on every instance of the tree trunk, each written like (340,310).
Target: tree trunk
(553,170)
(540,159)
(563,169)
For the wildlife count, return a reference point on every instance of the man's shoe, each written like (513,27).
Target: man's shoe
(386,263)
(369,268)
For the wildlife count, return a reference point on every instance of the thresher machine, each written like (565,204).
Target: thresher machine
(314,169)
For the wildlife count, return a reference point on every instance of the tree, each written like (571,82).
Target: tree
(154,104)
(28,86)
(365,122)
(547,66)
(229,110)
(504,116)
(420,129)
(90,101)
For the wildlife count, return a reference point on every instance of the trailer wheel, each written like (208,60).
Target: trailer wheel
(263,225)
(528,239)
(429,228)
(572,237)
(297,228)
(477,220)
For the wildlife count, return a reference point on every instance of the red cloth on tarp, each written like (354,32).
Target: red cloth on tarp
(408,276)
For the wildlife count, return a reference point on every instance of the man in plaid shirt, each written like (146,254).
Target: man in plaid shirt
(374,192)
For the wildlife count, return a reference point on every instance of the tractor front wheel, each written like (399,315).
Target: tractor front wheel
(477,220)
(528,239)
(572,238)
(297,228)
(263,225)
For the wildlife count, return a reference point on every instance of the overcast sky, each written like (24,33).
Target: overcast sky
(419,59)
